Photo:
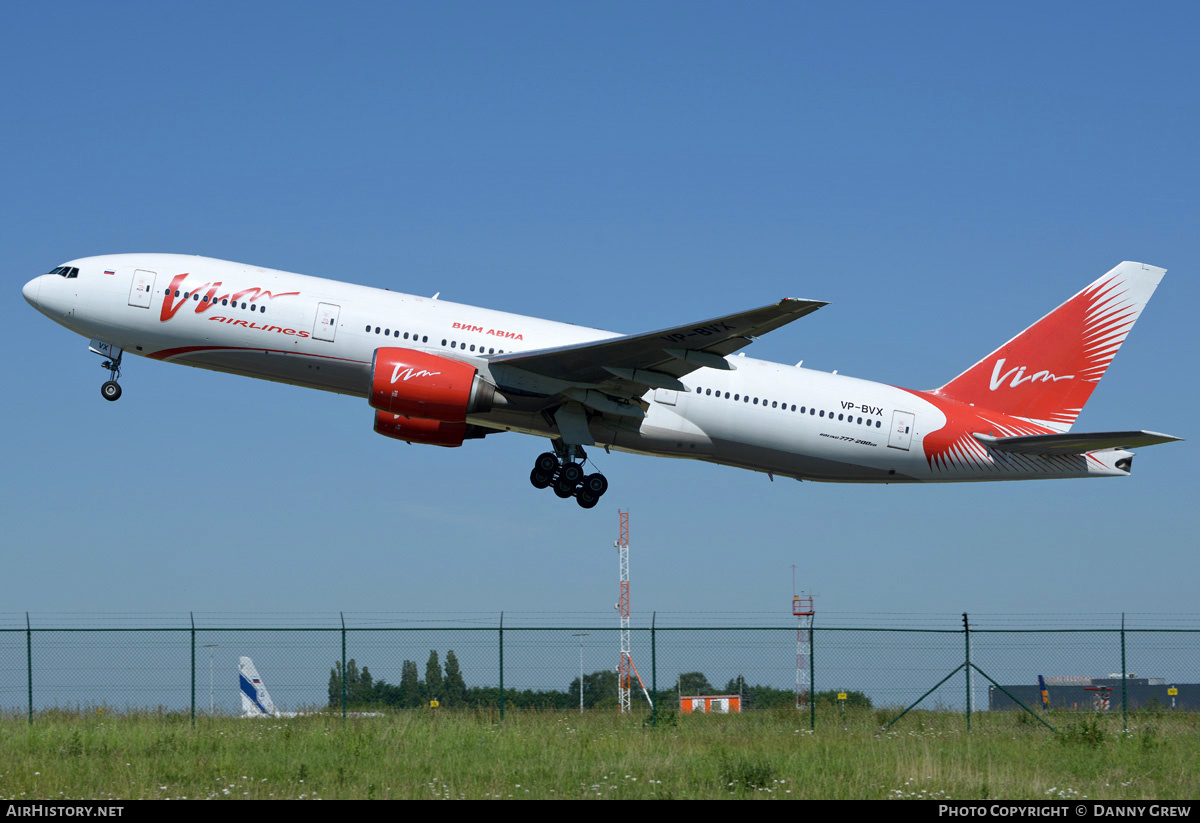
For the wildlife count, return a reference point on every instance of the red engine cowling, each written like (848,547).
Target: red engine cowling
(420,430)
(416,384)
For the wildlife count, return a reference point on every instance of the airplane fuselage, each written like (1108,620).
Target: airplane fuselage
(323,334)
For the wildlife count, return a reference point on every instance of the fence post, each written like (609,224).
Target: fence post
(967,635)
(29,664)
(812,684)
(343,616)
(653,672)
(1124,680)
(502,668)
(192,616)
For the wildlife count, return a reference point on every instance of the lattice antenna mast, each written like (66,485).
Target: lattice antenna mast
(802,609)
(625,668)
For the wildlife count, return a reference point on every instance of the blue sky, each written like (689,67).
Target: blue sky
(942,174)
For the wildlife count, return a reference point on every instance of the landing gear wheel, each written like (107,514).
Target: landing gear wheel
(540,479)
(564,488)
(111,390)
(595,485)
(572,472)
(586,500)
(547,462)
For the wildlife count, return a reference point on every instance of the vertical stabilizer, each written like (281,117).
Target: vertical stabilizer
(1047,373)
(255,699)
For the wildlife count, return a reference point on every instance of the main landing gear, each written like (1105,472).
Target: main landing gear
(567,479)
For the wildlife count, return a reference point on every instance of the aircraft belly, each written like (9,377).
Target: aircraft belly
(339,376)
(803,466)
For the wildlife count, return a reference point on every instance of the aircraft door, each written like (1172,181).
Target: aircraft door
(326,323)
(141,291)
(902,430)
(666,396)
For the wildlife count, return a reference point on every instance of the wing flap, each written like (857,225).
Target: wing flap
(1074,443)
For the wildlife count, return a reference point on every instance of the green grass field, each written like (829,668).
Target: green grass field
(453,755)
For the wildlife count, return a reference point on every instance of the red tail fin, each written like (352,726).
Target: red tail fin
(1047,372)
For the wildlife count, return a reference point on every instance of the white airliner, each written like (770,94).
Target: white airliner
(441,373)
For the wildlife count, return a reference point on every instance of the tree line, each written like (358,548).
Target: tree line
(445,684)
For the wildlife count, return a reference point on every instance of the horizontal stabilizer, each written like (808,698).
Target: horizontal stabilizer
(1074,443)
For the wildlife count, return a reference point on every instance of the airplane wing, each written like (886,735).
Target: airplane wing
(1074,442)
(657,359)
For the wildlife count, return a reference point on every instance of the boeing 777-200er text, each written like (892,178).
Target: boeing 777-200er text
(441,373)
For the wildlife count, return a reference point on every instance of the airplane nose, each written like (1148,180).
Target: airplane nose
(31,291)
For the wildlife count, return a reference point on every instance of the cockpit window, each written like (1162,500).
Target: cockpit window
(65,271)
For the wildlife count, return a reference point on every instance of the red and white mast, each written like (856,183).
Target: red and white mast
(625,669)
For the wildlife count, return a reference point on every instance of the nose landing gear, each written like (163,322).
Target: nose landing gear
(111,390)
(567,479)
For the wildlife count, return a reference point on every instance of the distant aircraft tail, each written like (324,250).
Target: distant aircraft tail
(1047,373)
(256,700)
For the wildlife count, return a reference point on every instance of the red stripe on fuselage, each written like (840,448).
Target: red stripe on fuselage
(168,353)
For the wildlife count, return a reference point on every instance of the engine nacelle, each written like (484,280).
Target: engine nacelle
(420,429)
(416,384)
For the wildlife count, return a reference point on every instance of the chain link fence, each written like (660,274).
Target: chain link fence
(342,664)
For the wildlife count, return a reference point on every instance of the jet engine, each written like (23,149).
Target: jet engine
(420,385)
(424,431)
